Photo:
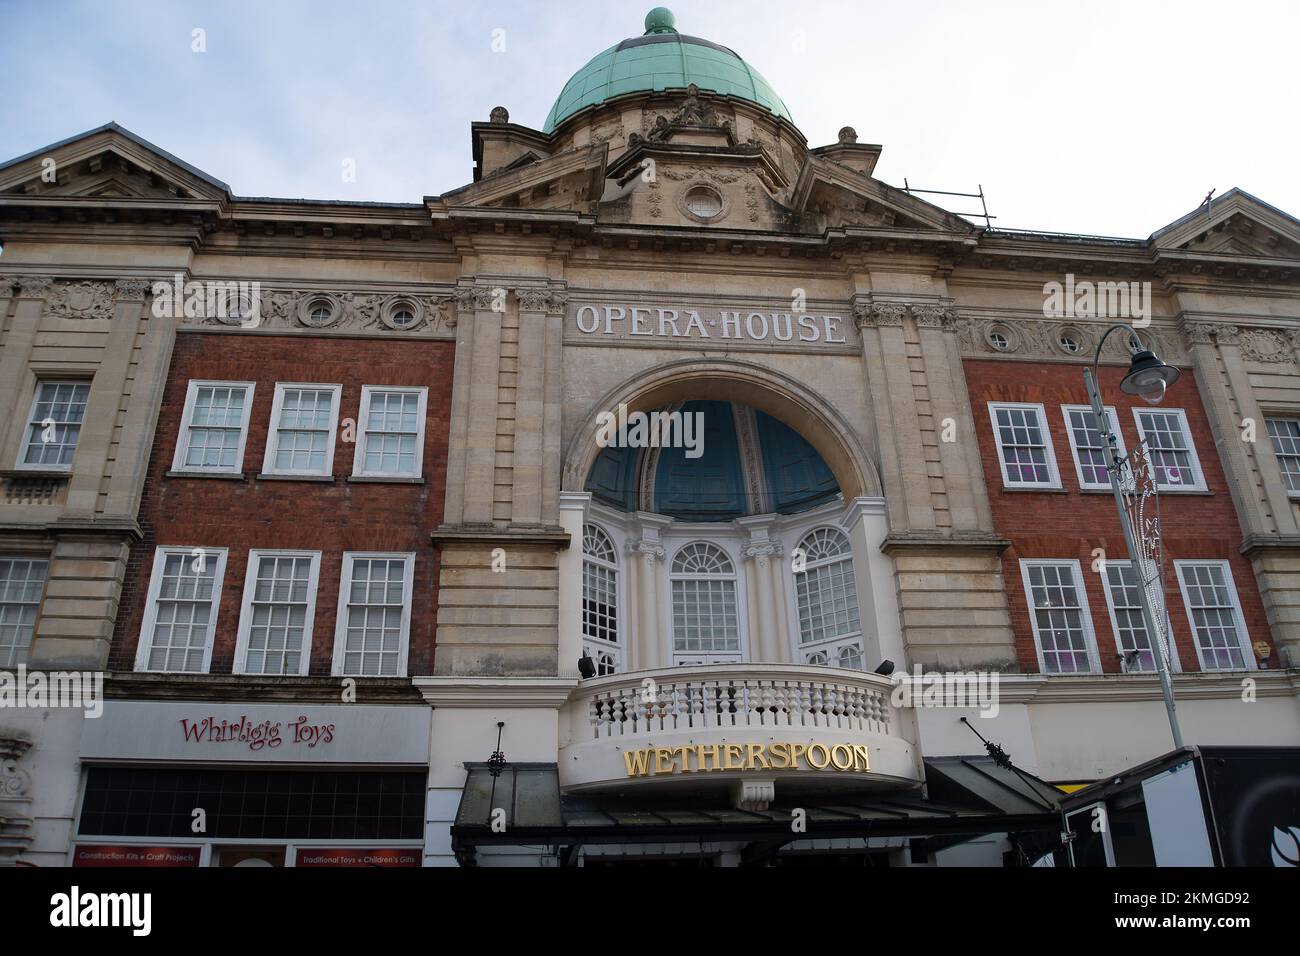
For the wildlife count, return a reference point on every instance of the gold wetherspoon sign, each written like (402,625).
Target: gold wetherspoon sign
(707,758)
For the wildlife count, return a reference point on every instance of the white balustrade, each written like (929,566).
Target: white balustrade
(721,696)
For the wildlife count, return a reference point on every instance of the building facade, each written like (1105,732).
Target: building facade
(580,507)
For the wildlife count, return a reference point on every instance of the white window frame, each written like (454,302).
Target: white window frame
(802,651)
(1080,587)
(617,650)
(345,589)
(24,440)
(1198,483)
(363,434)
(246,608)
(739,595)
(45,583)
(1114,620)
(144,645)
(1053,474)
(1113,417)
(273,432)
(1278,456)
(187,417)
(1239,619)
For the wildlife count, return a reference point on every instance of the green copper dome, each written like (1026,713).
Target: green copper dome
(662,59)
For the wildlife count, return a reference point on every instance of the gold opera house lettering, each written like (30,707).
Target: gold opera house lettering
(706,758)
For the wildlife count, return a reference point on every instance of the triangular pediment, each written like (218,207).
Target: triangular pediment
(563,181)
(107,163)
(831,195)
(1236,224)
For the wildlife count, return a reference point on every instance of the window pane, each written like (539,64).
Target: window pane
(216,425)
(1023,445)
(1126,598)
(1285,435)
(1214,617)
(55,424)
(1168,447)
(302,433)
(372,639)
(1090,447)
(391,432)
(22,580)
(278,614)
(1058,615)
(183,612)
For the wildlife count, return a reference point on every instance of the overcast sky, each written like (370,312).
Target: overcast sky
(1113,121)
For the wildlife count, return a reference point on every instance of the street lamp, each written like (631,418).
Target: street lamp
(1148,377)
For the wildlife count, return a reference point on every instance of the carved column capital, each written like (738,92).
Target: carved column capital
(651,550)
(879,314)
(34,287)
(935,317)
(1227,334)
(1198,333)
(542,300)
(481,298)
(557,303)
(132,289)
(533,300)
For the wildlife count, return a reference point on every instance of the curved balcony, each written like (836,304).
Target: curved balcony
(812,728)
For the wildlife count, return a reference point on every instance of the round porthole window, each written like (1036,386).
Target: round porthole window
(400,314)
(1070,340)
(703,203)
(1000,338)
(319,311)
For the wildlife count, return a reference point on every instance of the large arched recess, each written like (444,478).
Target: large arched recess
(745,383)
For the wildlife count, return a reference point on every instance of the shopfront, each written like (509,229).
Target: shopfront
(197,784)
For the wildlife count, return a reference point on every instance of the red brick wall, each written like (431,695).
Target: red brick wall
(1071,523)
(326,517)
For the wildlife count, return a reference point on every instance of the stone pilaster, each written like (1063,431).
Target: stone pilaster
(1267,515)
(501,541)
(16,354)
(951,602)
(764,568)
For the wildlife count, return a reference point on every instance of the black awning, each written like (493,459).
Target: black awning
(981,782)
(532,810)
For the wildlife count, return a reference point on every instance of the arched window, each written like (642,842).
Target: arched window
(705,622)
(830,628)
(600,600)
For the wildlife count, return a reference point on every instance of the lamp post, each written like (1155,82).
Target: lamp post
(1148,377)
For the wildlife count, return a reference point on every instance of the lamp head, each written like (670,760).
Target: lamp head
(1148,377)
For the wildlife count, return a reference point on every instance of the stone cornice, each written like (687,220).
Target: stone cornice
(1270,542)
(939,542)
(1117,688)
(453,534)
(232,688)
(460,691)
(112,527)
